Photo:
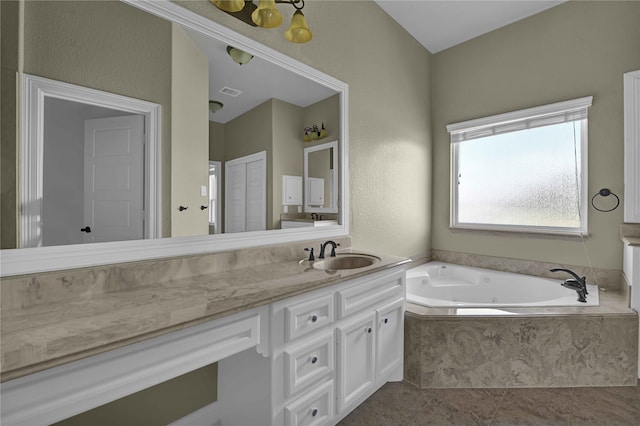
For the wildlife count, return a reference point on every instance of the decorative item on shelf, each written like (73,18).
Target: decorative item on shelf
(215,106)
(604,192)
(240,57)
(267,15)
(314,133)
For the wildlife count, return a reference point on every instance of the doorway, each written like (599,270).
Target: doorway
(72,194)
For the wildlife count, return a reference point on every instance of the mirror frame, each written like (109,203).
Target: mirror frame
(333,208)
(35,260)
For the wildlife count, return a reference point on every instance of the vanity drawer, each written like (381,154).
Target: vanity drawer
(308,362)
(369,293)
(305,317)
(314,408)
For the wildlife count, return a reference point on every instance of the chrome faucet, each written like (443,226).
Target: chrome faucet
(576,283)
(333,249)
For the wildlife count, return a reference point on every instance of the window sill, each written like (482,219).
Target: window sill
(542,234)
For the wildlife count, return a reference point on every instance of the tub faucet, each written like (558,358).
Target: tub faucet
(333,249)
(576,283)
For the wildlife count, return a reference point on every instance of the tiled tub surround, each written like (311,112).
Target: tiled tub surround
(524,347)
(54,318)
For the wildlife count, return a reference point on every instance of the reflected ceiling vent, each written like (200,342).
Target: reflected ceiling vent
(230,92)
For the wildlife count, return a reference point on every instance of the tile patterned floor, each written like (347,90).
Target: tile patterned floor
(406,405)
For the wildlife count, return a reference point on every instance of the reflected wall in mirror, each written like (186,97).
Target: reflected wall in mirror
(119,49)
(321,178)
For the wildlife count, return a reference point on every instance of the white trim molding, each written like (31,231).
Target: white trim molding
(35,91)
(575,110)
(632,147)
(60,392)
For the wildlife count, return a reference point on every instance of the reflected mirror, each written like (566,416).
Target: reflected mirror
(117,49)
(320,178)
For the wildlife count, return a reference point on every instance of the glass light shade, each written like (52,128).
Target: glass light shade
(229,5)
(306,137)
(298,31)
(240,57)
(267,14)
(215,106)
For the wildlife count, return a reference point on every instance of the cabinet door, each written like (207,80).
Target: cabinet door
(390,320)
(356,359)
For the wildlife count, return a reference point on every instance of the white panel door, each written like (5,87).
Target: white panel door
(356,359)
(113,184)
(235,197)
(246,193)
(390,351)
(256,195)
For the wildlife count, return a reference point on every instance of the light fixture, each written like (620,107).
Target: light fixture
(267,15)
(215,106)
(240,57)
(298,31)
(314,133)
(229,5)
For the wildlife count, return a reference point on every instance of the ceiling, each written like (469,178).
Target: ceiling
(436,24)
(258,81)
(440,24)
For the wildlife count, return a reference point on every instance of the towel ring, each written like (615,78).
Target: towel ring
(605,193)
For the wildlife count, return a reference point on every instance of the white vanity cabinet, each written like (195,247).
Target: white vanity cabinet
(306,360)
(332,348)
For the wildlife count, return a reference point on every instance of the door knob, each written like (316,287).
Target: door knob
(86,229)
(203,207)
(182,208)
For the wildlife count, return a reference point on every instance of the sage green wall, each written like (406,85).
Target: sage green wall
(81,43)
(250,133)
(287,150)
(190,136)
(158,405)
(572,50)
(388,73)
(10,50)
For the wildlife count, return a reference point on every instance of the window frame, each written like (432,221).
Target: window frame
(556,113)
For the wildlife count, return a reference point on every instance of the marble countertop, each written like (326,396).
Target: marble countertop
(631,241)
(42,336)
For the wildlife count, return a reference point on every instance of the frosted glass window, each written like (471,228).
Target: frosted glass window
(530,180)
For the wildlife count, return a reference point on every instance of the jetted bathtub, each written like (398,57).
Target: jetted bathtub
(438,284)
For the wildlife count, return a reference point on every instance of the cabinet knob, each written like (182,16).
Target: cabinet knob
(386,320)
(314,318)
(368,329)
(314,359)
(314,412)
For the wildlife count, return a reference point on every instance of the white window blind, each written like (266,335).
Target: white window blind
(560,112)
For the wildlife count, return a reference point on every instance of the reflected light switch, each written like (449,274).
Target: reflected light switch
(203,190)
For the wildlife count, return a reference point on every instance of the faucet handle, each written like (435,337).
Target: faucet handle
(333,250)
(311,256)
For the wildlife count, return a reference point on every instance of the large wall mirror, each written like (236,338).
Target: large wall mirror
(151,69)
